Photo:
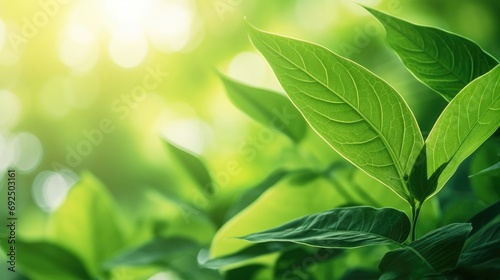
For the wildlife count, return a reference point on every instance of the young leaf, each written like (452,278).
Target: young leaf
(270,108)
(468,120)
(193,165)
(434,253)
(354,111)
(44,261)
(158,250)
(88,223)
(443,61)
(250,252)
(348,227)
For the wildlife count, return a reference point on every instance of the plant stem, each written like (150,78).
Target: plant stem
(415,211)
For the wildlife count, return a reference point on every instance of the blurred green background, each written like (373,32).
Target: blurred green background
(93,87)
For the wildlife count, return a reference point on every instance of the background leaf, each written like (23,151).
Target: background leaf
(193,166)
(468,120)
(436,252)
(269,108)
(47,261)
(443,61)
(348,227)
(356,112)
(86,220)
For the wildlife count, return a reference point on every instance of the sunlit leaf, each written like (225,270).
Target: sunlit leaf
(443,61)
(348,227)
(435,253)
(193,165)
(468,120)
(270,108)
(48,261)
(247,253)
(357,113)
(88,223)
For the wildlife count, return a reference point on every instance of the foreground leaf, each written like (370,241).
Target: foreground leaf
(468,120)
(443,61)
(348,227)
(89,223)
(158,250)
(270,108)
(354,111)
(47,261)
(193,165)
(247,253)
(433,254)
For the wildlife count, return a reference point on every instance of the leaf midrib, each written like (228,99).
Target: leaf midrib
(384,140)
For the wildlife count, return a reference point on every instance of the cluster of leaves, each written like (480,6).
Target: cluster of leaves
(364,120)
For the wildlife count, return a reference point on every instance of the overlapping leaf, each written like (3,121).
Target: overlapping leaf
(271,109)
(348,227)
(443,61)
(468,120)
(353,110)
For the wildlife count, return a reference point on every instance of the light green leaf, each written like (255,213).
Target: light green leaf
(47,261)
(158,250)
(354,111)
(193,165)
(246,254)
(468,120)
(435,253)
(269,108)
(88,223)
(348,227)
(444,61)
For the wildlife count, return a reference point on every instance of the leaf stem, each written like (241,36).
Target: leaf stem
(415,212)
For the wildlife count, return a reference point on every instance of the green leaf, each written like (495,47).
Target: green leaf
(246,254)
(46,261)
(348,227)
(357,113)
(269,108)
(484,217)
(193,165)
(158,250)
(434,253)
(302,257)
(486,188)
(244,273)
(88,223)
(468,120)
(493,170)
(443,61)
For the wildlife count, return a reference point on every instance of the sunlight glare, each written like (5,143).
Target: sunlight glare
(128,47)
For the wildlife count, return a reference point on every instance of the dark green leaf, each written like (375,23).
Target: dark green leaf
(358,274)
(468,120)
(484,217)
(357,113)
(269,108)
(486,188)
(244,273)
(482,246)
(158,250)
(247,253)
(192,165)
(434,253)
(443,61)
(342,228)
(298,262)
(493,170)
(46,261)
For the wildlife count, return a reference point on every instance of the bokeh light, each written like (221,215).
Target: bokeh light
(248,67)
(128,47)
(3,34)
(79,48)
(10,110)
(27,150)
(191,134)
(50,189)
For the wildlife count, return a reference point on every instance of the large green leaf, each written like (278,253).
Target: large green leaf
(348,227)
(271,109)
(88,223)
(158,250)
(443,61)
(193,165)
(354,111)
(47,261)
(435,253)
(468,120)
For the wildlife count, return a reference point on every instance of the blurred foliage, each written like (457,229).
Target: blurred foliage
(89,90)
